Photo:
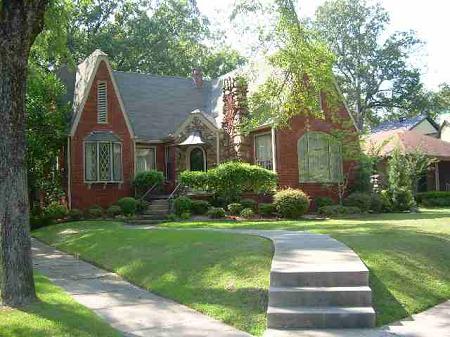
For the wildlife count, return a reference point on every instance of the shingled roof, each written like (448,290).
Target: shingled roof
(402,124)
(407,142)
(155,106)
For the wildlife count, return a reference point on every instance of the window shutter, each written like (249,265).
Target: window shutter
(102,103)
(90,162)
(303,160)
(336,161)
(318,157)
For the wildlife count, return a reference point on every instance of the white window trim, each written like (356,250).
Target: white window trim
(112,181)
(143,147)
(106,102)
(188,157)
(304,181)
(268,133)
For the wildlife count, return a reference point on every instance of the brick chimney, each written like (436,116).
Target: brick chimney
(197,76)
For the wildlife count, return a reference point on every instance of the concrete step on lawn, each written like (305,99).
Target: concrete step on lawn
(144,222)
(341,278)
(155,212)
(320,296)
(320,317)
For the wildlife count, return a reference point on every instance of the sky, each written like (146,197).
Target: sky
(430,19)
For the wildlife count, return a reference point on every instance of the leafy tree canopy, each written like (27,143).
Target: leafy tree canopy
(373,70)
(166,37)
(301,70)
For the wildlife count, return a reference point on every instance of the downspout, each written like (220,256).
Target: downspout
(69,174)
(274,151)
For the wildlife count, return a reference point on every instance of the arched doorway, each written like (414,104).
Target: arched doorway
(197,159)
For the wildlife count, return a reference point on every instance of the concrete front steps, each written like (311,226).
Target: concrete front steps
(155,213)
(320,284)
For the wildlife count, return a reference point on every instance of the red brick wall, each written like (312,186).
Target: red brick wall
(85,195)
(287,157)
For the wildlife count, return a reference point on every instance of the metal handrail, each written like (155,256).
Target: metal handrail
(149,190)
(173,192)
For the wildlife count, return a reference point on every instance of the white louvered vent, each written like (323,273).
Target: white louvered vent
(102,103)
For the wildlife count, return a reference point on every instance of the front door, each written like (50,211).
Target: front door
(197,160)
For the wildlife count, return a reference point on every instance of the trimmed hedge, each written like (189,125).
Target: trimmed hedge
(267,209)
(55,211)
(235,208)
(128,205)
(338,210)
(360,200)
(94,212)
(182,205)
(144,180)
(113,210)
(229,180)
(75,214)
(216,213)
(200,207)
(434,199)
(323,201)
(247,213)
(249,203)
(291,203)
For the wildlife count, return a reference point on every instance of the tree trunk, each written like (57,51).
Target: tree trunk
(20,22)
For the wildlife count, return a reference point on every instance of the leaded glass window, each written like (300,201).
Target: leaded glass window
(103,161)
(319,158)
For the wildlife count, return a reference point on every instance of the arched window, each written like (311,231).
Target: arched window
(319,158)
(197,160)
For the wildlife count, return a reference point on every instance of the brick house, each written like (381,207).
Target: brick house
(125,122)
(419,133)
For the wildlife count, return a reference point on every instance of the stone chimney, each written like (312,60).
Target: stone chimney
(197,76)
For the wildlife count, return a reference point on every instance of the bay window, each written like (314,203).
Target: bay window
(102,158)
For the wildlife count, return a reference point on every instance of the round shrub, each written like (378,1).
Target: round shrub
(185,215)
(128,205)
(291,203)
(323,201)
(197,180)
(249,203)
(376,203)
(360,200)
(113,210)
(338,210)
(94,212)
(235,208)
(216,213)
(267,209)
(171,217)
(181,205)
(141,206)
(75,214)
(402,199)
(247,213)
(55,211)
(200,207)
(145,180)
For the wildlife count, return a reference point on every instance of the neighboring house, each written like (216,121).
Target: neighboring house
(444,131)
(125,122)
(411,135)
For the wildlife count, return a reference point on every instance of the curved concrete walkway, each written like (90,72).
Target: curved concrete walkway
(308,270)
(127,308)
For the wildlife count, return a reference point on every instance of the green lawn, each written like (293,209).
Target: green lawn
(226,275)
(223,275)
(408,254)
(55,315)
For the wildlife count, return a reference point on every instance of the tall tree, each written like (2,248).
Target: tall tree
(374,72)
(160,37)
(20,22)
